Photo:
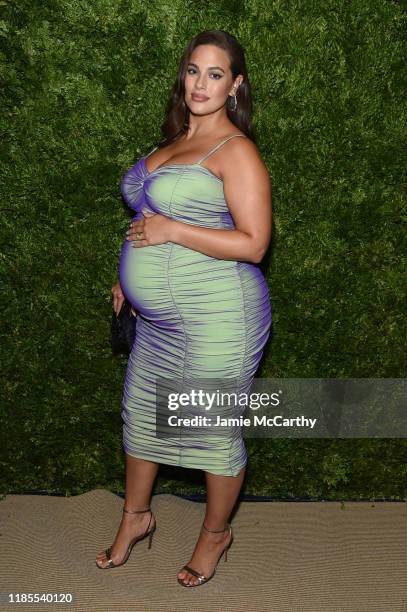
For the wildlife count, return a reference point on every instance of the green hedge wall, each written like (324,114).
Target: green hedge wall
(84,87)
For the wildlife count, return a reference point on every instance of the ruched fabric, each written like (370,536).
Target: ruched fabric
(198,317)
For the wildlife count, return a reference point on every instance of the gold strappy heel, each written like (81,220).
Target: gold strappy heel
(149,532)
(202,579)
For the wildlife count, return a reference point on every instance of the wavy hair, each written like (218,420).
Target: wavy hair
(176,121)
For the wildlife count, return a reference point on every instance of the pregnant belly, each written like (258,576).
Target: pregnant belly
(143,275)
(171,284)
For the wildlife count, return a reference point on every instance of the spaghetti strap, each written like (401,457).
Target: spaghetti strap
(152,151)
(216,147)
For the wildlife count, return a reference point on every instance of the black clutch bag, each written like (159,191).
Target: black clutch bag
(123,329)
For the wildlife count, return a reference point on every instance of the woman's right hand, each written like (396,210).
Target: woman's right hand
(118,297)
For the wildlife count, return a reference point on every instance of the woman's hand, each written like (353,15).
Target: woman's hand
(153,229)
(118,297)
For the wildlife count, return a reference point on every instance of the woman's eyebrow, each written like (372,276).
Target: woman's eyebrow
(210,67)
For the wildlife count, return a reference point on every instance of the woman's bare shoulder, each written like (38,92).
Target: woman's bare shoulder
(241,155)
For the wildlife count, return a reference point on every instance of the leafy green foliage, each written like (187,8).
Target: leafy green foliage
(84,88)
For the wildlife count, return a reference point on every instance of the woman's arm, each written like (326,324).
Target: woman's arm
(247,191)
(219,243)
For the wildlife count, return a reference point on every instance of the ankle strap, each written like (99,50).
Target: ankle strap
(135,511)
(217,531)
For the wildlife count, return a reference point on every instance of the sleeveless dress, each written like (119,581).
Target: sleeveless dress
(197,316)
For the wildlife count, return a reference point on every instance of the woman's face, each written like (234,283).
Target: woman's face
(209,76)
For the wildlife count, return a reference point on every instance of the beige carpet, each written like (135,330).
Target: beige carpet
(285,557)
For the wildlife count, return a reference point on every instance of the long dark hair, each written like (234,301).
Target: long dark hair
(177,113)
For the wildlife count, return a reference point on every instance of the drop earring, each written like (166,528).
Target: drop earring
(234,107)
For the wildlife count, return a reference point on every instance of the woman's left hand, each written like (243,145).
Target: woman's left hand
(153,229)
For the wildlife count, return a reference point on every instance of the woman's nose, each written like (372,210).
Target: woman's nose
(201,84)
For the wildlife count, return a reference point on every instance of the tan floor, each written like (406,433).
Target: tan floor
(285,557)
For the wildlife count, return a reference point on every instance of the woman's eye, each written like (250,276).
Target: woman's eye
(219,76)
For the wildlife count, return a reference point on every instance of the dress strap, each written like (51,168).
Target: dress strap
(218,146)
(152,151)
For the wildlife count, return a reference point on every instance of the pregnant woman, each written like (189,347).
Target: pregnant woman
(202,200)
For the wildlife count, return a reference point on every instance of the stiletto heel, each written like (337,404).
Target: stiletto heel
(202,579)
(228,546)
(150,540)
(149,532)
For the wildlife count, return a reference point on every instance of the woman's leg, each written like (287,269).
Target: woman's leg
(222,493)
(140,476)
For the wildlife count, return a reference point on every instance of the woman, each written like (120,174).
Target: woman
(188,266)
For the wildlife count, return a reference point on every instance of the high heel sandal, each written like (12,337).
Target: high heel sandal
(149,532)
(202,579)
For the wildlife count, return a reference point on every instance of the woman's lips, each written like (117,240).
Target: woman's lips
(199,98)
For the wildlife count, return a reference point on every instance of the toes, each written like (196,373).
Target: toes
(184,576)
(187,578)
(190,579)
(101,559)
